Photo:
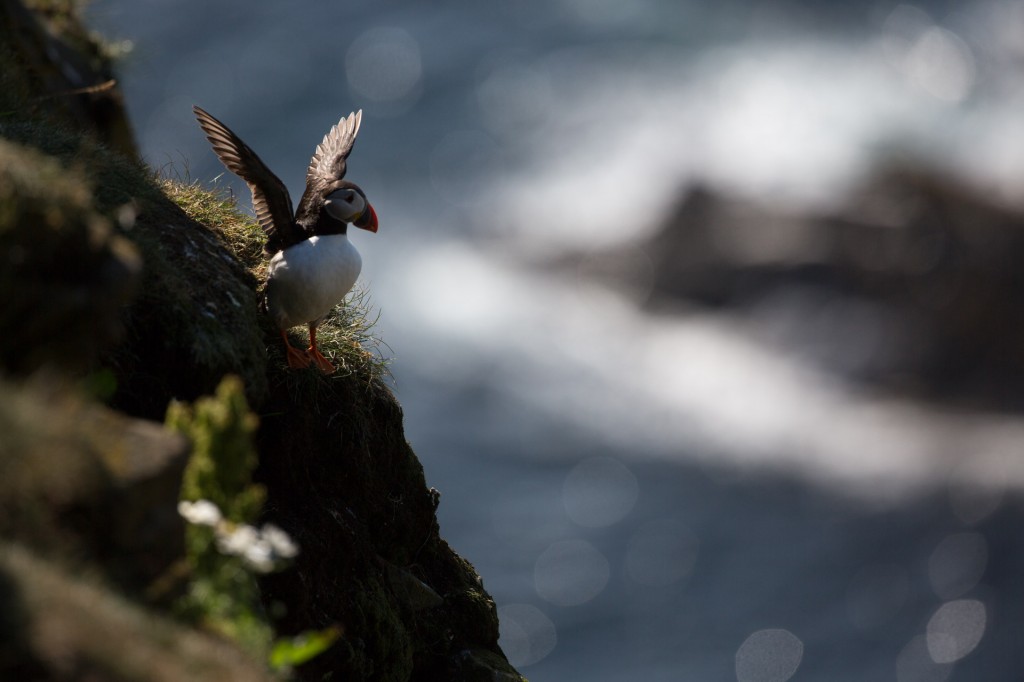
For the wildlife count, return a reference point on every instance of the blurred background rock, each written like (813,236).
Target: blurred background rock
(911,286)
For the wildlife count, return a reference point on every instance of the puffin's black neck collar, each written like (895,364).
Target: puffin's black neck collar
(328,224)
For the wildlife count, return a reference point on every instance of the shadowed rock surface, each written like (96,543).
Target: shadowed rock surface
(342,480)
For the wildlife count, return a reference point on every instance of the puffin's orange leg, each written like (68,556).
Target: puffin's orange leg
(296,358)
(322,363)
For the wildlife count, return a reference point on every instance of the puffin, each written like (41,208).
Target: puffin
(313,265)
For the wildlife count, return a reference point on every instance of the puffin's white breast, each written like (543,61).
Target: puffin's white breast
(306,280)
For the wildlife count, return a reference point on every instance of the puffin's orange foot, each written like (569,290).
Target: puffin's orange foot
(322,363)
(297,359)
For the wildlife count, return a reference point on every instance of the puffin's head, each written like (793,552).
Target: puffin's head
(348,204)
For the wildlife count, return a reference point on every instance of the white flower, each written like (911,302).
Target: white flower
(259,556)
(280,542)
(261,549)
(237,540)
(200,512)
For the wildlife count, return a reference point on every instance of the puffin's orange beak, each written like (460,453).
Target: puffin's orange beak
(367,221)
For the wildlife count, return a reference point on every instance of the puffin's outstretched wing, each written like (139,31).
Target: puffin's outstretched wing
(327,167)
(328,162)
(270,197)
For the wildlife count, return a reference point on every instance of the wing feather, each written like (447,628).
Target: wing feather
(270,198)
(328,162)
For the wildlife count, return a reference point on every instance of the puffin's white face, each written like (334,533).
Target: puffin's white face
(345,205)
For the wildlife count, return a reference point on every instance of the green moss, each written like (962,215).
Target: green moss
(220,469)
(294,651)
(221,594)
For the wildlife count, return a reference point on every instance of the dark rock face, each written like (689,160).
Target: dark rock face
(342,480)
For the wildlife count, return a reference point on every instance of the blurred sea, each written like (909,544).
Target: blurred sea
(656,497)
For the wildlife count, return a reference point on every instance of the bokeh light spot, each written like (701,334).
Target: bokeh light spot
(957,564)
(955,630)
(570,573)
(931,58)
(527,635)
(940,63)
(383,66)
(769,656)
(973,502)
